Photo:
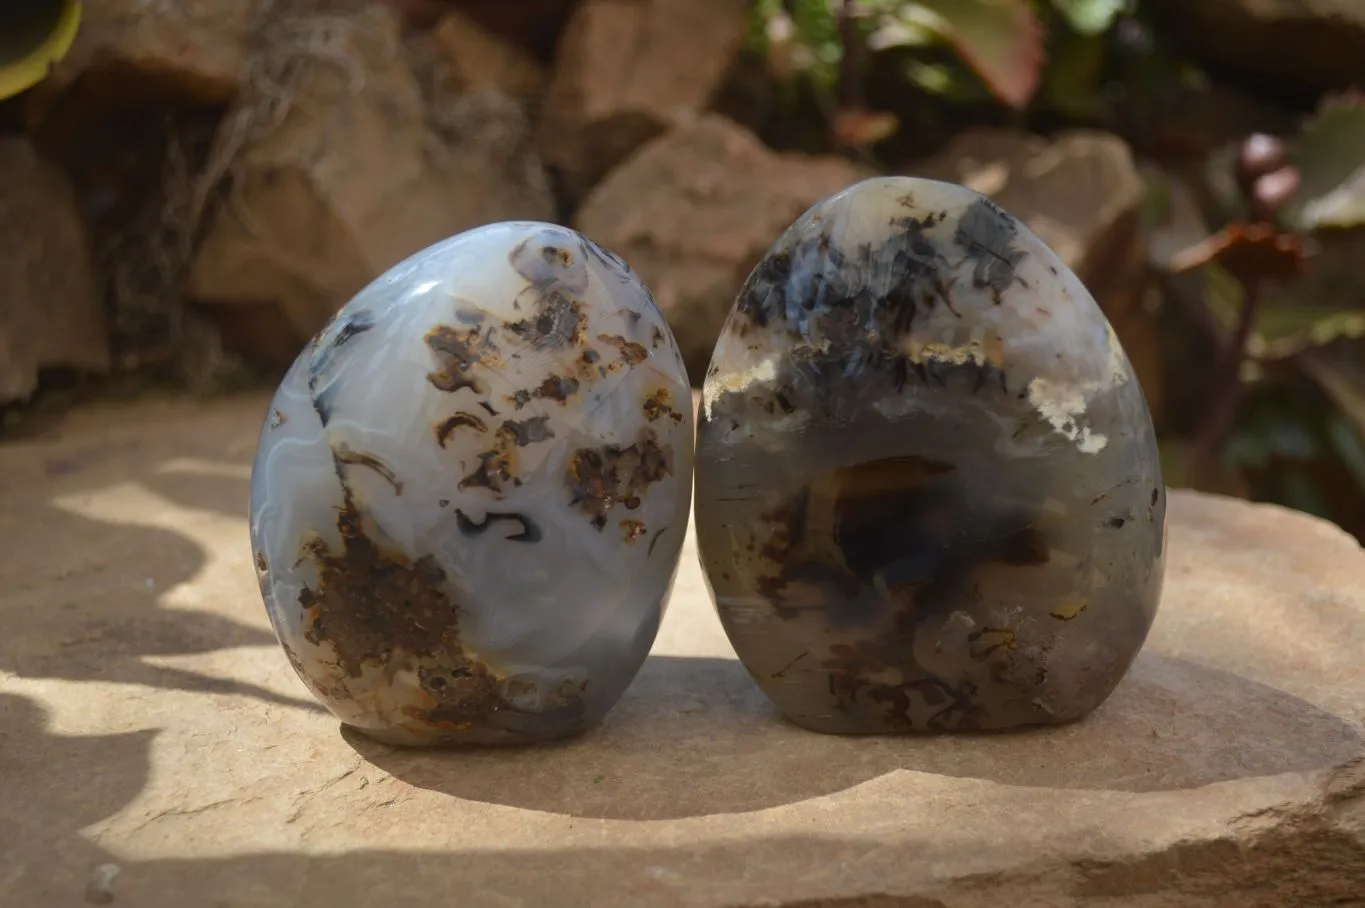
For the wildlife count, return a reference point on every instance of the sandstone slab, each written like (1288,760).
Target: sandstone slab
(625,70)
(159,751)
(51,313)
(695,209)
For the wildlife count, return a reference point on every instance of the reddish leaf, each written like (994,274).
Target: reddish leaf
(1002,40)
(856,127)
(1248,252)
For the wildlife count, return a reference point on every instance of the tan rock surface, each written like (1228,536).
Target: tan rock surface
(50,308)
(478,57)
(195,49)
(157,748)
(625,70)
(532,24)
(131,62)
(359,172)
(694,210)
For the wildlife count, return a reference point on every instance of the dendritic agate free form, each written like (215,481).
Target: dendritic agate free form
(927,494)
(472,489)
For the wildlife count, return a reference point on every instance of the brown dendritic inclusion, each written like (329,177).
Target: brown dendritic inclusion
(471,492)
(928,495)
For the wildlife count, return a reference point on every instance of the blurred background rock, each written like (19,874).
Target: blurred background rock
(196,185)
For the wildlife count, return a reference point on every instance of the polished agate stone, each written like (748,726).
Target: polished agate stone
(928,495)
(472,488)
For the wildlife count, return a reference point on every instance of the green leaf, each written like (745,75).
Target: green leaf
(1071,80)
(1342,207)
(1248,450)
(905,25)
(1176,465)
(1339,370)
(810,36)
(955,83)
(1224,296)
(1300,490)
(1002,40)
(1265,435)
(1330,156)
(1089,17)
(1283,331)
(1347,441)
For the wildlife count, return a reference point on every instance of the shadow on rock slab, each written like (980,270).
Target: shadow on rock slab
(694,736)
(60,785)
(102,536)
(57,785)
(189,484)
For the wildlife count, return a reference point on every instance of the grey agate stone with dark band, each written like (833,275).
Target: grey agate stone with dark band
(928,494)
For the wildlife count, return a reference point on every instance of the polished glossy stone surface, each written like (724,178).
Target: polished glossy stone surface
(472,489)
(928,495)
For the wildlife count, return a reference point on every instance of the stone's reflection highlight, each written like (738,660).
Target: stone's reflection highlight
(928,493)
(472,488)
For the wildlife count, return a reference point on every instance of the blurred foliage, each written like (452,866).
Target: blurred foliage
(1330,154)
(1255,220)
(999,46)
(1283,297)
(1031,61)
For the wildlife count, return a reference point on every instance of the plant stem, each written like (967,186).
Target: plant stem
(850,90)
(1227,386)
(1186,292)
